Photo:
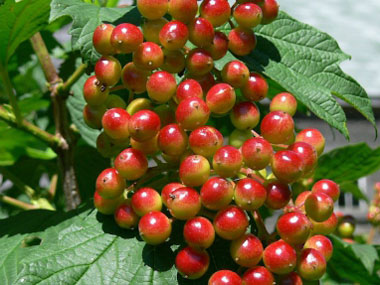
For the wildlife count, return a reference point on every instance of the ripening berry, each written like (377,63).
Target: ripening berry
(224,277)
(257,153)
(101,39)
(139,104)
(134,79)
(201,32)
(107,147)
(151,29)
(249,194)
(144,125)
(106,206)
(217,12)
(187,89)
(146,200)
(94,92)
(174,35)
(322,244)
(184,203)
(183,10)
(227,161)
(92,115)
(115,123)
(199,233)
(311,265)
(147,147)
(258,275)
(308,154)
(161,86)
(245,116)
(238,137)
(279,257)
(115,101)
(205,141)
(221,98)
(172,140)
(327,227)
(313,137)
(108,70)
(219,46)
(152,9)
(246,250)
(256,88)
(346,227)
(110,184)
(231,222)
(174,61)
(206,81)
(328,187)
(199,62)
(287,166)
(192,113)
(270,11)
(277,127)
(293,228)
(248,15)
(192,263)
(217,193)
(131,164)
(148,56)
(235,73)
(125,217)
(155,228)
(291,279)
(284,102)
(241,41)
(166,114)
(194,170)
(319,206)
(126,38)
(278,195)
(168,189)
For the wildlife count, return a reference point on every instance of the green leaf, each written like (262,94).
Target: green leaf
(86,17)
(305,62)
(348,163)
(367,254)
(18,22)
(352,187)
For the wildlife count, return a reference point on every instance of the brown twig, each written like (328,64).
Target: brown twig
(371,235)
(53,186)
(17,203)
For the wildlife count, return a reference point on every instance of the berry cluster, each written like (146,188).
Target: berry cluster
(374,209)
(219,188)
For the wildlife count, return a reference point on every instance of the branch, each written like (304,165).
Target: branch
(65,87)
(17,203)
(18,183)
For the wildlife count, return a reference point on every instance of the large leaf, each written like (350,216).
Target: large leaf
(305,62)
(86,17)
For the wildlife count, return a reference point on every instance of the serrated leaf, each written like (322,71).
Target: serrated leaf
(86,17)
(305,62)
(367,254)
(18,22)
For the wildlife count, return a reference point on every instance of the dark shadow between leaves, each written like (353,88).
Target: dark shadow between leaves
(109,226)
(160,258)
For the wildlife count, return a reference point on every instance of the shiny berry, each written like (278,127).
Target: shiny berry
(249,194)
(257,153)
(241,41)
(205,141)
(290,279)
(219,46)
(245,116)
(151,29)
(174,61)
(258,275)
(308,155)
(293,228)
(194,170)
(216,11)
(199,62)
(161,86)
(201,32)
(187,89)
(92,115)
(322,244)
(311,264)
(284,102)
(155,228)
(217,193)
(106,206)
(256,88)
(328,187)
(94,92)
(131,164)
(125,217)
(246,250)
(270,10)
(148,56)
(199,233)
(248,15)
(231,222)
(192,113)
(235,73)
(146,200)
(279,257)
(174,35)
(277,127)
(206,81)
(192,263)
(183,10)
(278,195)
(126,38)
(110,184)
(327,227)
(287,166)
(152,9)
(184,203)
(319,206)
(115,123)
(224,277)
(101,39)
(168,189)
(172,140)
(134,78)
(221,98)
(227,161)
(108,70)
(313,137)
(144,125)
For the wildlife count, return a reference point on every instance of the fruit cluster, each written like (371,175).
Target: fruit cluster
(219,188)
(374,209)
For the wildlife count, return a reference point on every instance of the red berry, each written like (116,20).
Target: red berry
(313,137)
(199,233)
(256,88)
(328,187)
(257,153)
(161,86)
(155,228)
(308,155)
(168,189)
(290,279)
(126,38)
(94,92)
(231,222)
(219,46)
(322,244)
(151,29)
(221,98)
(300,201)
(131,164)
(106,206)
(278,195)
(284,102)
(148,56)
(277,127)
(184,203)
(245,116)
(125,217)
(287,166)
(327,227)
(110,184)
(115,123)
(199,62)
(144,125)
(92,116)
(224,277)
(311,265)
(201,32)
(270,11)
(241,41)
(146,200)
(235,73)
(192,113)
(250,194)
(206,81)
(192,263)
(258,275)
(187,89)
(147,147)
(174,35)
(183,10)
(172,140)
(205,141)
(134,79)
(246,250)
(108,70)
(174,61)
(227,161)
(217,12)
(101,39)
(294,228)
(248,15)
(280,258)
(319,206)
(217,193)
(152,9)
(194,170)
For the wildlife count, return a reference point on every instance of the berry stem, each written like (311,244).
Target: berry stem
(16,203)
(251,174)
(231,24)
(65,87)
(117,88)
(283,146)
